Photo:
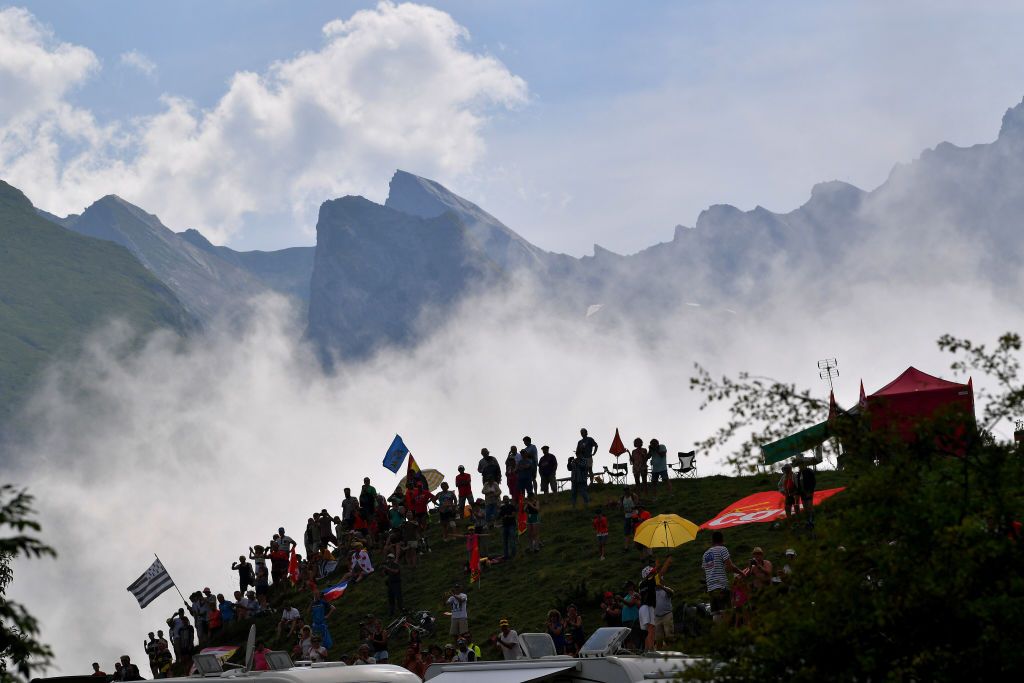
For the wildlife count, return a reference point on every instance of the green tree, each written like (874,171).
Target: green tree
(20,648)
(916,571)
(1000,365)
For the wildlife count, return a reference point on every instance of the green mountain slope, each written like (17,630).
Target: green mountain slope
(205,284)
(566,570)
(56,285)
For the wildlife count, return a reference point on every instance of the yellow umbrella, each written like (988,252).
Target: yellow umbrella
(665,531)
(433,477)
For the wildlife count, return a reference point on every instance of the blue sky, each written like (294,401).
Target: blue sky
(632,117)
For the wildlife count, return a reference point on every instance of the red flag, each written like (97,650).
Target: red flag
(759,507)
(521,517)
(293,568)
(474,558)
(833,409)
(617,448)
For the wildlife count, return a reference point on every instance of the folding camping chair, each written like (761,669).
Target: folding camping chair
(617,475)
(687,466)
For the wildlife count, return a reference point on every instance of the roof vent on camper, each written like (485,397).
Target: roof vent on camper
(537,645)
(208,664)
(605,641)
(278,660)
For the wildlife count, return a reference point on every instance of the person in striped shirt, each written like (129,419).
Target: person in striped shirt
(716,561)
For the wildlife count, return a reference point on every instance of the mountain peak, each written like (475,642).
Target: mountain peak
(197,239)
(418,196)
(1013,123)
(9,194)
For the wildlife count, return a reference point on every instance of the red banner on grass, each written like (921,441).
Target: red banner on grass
(474,558)
(767,506)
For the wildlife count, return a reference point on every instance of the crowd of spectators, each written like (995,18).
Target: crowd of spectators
(342,549)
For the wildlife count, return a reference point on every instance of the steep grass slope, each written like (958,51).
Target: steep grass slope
(56,286)
(566,570)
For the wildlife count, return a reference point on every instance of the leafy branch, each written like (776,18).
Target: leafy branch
(760,408)
(1001,364)
(19,630)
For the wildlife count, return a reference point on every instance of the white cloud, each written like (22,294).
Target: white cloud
(140,62)
(36,70)
(391,86)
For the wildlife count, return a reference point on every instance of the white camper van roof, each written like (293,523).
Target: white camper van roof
(561,669)
(328,672)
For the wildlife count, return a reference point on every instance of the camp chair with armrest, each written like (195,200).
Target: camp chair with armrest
(687,466)
(617,474)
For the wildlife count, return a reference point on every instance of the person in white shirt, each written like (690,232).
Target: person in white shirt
(317,652)
(291,619)
(458,603)
(364,655)
(508,641)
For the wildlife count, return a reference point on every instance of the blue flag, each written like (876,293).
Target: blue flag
(395,456)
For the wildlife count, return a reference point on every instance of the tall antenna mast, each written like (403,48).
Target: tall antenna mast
(827,369)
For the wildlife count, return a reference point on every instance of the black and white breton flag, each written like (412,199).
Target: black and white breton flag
(151,584)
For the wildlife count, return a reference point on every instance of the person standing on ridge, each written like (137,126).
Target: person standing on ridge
(586,448)
(511,477)
(526,467)
(639,457)
(464,484)
(348,509)
(488,467)
(548,467)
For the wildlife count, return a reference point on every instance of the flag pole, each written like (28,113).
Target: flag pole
(173,583)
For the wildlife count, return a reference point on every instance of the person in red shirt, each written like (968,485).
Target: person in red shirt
(601,529)
(464,484)
(420,500)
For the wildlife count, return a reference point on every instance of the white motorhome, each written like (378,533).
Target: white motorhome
(320,672)
(601,660)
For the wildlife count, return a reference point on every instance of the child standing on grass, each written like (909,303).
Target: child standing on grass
(601,529)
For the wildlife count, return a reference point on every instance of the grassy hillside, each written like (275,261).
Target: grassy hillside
(56,285)
(566,570)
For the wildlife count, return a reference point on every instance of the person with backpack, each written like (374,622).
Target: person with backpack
(788,489)
(579,475)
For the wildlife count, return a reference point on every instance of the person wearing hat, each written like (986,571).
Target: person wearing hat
(611,611)
(393,582)
(463,653)
(359,564)
(508,641)
(649,579)
(786,572)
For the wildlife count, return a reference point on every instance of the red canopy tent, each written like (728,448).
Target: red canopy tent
(914,396)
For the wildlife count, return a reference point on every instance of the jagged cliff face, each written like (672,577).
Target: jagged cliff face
(382,277)
(952,213)
(380,274)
